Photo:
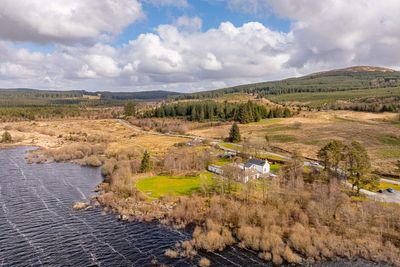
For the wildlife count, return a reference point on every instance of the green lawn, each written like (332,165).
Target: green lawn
(275,168)
(222,162)
(158,186)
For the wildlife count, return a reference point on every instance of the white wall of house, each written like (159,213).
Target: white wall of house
(266,168)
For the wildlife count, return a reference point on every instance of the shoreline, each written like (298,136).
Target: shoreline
(159,211)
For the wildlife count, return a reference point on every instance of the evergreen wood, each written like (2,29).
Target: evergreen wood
(212,110)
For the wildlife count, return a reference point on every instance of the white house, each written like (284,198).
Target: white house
(262,166)
(252,169)
(241,174)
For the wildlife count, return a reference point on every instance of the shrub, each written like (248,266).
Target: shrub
(93,161)
(6,137)
(171,254)
(204,262)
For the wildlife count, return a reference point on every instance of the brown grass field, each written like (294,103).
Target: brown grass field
(306,132)
(309,131)
(55,134)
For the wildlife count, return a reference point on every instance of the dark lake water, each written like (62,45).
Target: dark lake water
(39,227)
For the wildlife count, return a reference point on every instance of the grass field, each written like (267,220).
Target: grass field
(275,168)
(230,146)
(159,186)
(222,162)
(320,99)
(309,131)
(389,152)
(385,185)
(282,138)
(389,139)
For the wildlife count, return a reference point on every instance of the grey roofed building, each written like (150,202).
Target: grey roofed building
(253,161)
(262,166)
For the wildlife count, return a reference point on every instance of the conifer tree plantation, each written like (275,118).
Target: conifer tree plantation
(212,111)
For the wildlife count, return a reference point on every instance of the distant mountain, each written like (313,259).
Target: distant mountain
(35,97)
(145,95)
(358,77)
(359,69)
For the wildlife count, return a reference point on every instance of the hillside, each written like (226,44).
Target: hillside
(34,97)
(353,78)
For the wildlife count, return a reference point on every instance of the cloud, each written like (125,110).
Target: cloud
(343,32)
(248,6)
(331,33)
(189,23)
(172,55)
(160,3)
(181,56)
(65,21)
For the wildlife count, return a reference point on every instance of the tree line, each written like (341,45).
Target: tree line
(349,161)
(370,104)
(212,110)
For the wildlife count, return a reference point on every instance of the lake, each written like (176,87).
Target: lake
(39,227)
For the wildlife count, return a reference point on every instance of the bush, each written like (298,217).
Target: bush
(6,137)
(75,151)
(204,262)
(93,161)
(171,254)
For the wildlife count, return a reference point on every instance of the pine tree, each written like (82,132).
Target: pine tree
(130,108)
(201,114)
(145,166)
(193,114)
(358,165)
(234,134)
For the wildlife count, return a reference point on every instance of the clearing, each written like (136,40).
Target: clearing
(161,186)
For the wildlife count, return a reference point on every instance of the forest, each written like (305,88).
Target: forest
(330,81)
(211,111)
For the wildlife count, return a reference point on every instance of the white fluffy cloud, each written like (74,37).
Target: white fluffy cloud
(181,56)
(251,50)
(334,33)
(339,32)
(170,55)
(65,21)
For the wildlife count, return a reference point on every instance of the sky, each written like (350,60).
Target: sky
(188,45)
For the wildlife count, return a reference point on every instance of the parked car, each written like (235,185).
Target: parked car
(380,191)
(390,190)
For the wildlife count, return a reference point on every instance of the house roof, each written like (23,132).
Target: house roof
(251,162)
